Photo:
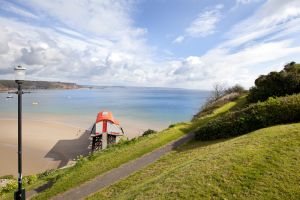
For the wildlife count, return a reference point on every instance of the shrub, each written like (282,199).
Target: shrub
(172,125)
(235,89)
(263,114)
(46,173)
(12,185)
(275,84)
(148,132)
(80,160)
(30,179)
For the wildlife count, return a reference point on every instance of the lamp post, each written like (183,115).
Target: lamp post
(19,78)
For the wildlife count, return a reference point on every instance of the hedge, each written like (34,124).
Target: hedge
(260,115)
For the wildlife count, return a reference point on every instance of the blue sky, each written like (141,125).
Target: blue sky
(167,43)
(166,21)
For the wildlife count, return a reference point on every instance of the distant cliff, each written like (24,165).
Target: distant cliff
(33,85)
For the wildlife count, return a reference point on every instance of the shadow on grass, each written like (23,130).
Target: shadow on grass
(39,189)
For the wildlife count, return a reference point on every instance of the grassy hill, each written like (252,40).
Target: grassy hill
(261,165)
(103,161)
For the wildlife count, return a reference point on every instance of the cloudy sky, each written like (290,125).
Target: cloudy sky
(168,43)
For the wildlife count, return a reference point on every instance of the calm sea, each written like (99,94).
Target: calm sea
(155,105)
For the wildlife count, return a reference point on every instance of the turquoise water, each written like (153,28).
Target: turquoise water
(158,105)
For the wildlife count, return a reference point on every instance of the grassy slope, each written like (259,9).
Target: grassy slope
(261,165)
(115,156)
(109,159)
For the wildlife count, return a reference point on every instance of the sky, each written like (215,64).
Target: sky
(154,43)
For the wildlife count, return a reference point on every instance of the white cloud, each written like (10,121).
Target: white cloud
(179,39)
(272,17)
(246,1)
(263,42)
(90,41)
(19,11)
(203,25)
(106,18)
(112,51)
(219,65)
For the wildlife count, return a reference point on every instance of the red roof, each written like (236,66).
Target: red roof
(106,116)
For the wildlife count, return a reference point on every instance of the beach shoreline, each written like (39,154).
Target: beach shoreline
(50,142)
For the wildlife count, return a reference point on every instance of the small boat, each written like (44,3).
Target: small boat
(9,97)
(35,103)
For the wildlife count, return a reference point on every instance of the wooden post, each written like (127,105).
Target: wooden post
(104,140)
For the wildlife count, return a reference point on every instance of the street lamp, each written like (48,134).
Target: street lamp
(19,78)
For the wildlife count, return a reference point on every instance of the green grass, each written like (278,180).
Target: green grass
(261,165)
(113,157)
(103,161)
(43,179)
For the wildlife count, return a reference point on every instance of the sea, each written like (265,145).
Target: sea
(158,107)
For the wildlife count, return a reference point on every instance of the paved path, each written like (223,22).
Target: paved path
(121,172)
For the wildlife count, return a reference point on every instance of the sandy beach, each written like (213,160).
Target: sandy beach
(48,144)
(45,145)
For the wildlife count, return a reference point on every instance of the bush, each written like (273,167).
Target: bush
(263,114)
(11,186)
(235,89)
(46,173)
(172,125)
(80,160)
(30,179)
(275,84)
(148,132)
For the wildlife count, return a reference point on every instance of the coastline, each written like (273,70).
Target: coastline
(50,142)
(63,116)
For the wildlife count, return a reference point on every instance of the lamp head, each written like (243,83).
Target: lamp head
(19,74)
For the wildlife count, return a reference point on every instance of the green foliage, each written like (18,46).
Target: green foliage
(172,125)
(148,132)
(263,114)
(80,160)
(258,166)
(46,173)
(275,84)
(11,186)
(126,150)
(103,161)
(30,179)
(235,89)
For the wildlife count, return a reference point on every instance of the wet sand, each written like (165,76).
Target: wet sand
(50,143)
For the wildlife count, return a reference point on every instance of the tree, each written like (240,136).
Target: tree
(276,84)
